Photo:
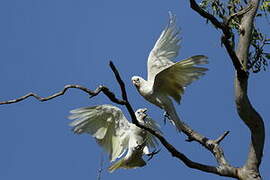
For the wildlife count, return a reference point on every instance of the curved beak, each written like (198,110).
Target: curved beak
(134,82)
(144,110)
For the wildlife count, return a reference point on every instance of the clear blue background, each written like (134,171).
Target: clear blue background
(45,45)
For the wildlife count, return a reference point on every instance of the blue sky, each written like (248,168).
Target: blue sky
(48,44)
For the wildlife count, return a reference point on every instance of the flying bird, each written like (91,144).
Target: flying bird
(115,134)
(167,78)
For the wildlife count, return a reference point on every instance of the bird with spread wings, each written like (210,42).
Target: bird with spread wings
(168,79)
(115,134)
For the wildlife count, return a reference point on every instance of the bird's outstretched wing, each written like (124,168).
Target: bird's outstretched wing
(165,49)
(107,124)
(172,80)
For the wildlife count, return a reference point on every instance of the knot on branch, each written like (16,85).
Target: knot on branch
(211,144)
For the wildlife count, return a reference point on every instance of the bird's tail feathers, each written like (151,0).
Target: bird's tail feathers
(116,165)
(175,118)
(138,162)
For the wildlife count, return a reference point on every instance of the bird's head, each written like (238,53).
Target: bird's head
(141,114)
(137,81)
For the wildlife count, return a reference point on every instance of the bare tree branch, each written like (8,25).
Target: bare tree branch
(220,138)
(99,89)
(208,16)
(124,94)
(211,145)
(224,168)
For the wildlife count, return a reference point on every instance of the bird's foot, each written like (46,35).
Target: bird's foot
(152,154)
(140,146)
(166,116)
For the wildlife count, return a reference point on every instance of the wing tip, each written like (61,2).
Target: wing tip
(197,59)
(202,59)
(172,17)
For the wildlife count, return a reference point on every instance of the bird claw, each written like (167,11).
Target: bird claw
(138,147)
(152,154)
(166,116)
(92,95)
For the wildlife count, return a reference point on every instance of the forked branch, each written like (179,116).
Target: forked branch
(224,169)
(225,37)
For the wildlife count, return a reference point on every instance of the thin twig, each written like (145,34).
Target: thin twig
(101,166)
(220,138)
(225,37)
(239,13)
(206,15)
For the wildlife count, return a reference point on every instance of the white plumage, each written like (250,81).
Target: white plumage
(166,78)
(112,131)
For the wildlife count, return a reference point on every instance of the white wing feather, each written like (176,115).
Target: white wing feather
(165,50)
(172,80)
(168,77)
(107,124)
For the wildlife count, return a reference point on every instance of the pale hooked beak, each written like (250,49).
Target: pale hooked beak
(133,82)
(144,110)
(144,115)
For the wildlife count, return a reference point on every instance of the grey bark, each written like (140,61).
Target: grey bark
(244,108)
(247,113)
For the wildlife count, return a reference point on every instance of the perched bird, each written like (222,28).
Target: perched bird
(113,132)
(165,78)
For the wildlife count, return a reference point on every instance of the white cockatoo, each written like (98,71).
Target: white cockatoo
(166,78)
(113,132)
